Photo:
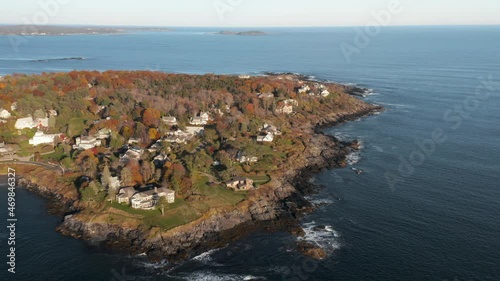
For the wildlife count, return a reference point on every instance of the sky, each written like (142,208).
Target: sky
(250,13)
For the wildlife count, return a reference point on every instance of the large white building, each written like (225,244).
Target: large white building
(25,123)
(41,138)
(4,114)
(85,143)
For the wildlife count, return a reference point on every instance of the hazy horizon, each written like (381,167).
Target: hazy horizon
(255,13)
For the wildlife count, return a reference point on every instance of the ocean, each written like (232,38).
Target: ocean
(426,208)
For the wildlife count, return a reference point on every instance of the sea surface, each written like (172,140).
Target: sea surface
(427,206)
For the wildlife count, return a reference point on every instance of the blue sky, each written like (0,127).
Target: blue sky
(248,13)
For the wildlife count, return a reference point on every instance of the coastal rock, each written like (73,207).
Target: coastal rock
(312,251)
(275,206)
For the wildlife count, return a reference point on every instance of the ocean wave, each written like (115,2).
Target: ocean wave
(206,258)
(211,276)
(395,105)
(153,265)
(323,236)
(319,201)
(353,158)
(58,59)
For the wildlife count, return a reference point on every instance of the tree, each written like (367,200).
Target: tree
(126,177)
(39,114)
(105,176)
(147,170)
(162,203)
(151,117)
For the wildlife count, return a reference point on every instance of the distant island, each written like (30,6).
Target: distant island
(243,33)
(172,165)
(54,30)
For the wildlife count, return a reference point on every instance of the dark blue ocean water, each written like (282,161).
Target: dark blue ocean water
(438,221)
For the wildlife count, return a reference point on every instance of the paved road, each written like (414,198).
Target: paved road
(45,165)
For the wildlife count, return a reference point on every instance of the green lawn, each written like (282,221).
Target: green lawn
(260,180)
(176,214)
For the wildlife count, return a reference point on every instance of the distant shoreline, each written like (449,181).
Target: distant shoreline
(35,30)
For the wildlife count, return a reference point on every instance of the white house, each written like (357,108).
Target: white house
(325,93)
(103,134)
(242,158)
(41,138)
(133,141)
(202,119)
(167,193)
(195,131)
(52,112)
(147,200)
(125,195)
(169,120)
(4,114)
(287,106)
(85,143)
(304,89)
(266,138)
(25,123)
(270,129)
(197,121)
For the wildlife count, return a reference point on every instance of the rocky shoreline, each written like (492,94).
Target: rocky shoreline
(274,208)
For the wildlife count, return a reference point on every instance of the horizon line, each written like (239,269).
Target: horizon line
(202,26)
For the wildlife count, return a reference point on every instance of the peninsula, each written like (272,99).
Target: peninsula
(243,33)
(59,30)
(172,165)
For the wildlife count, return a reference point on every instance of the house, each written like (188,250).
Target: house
(170,121)
(304,89)
(84,143)
(25,123)
(41,138)
(169,194)
(125,195)
(197,121)
(205,116)
(265,138)
(176,139)
(240,184)
(195,131)
(4,114)
(325,93)
(270,129)
(201,119)
(52,112)
(265,95)
(287,106)
(244,76)
(147,200)
(133,153)
(242,158)
(103,134)
(133,141)
(155,147)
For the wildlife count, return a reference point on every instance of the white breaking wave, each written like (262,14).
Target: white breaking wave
(207,258)
(211,276)
(318,201)
(153,265)
(323,236)
(353,158)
